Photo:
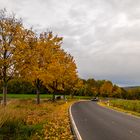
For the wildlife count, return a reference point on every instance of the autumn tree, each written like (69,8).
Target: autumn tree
(44,54)
(91,85)
(63,72)
(11,35)
(116,92)
(49,61)
(106,88)
(76,88)
(68,74)
(58,68)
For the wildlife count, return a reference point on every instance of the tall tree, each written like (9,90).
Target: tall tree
(44,53)
(11,34)
(64,73)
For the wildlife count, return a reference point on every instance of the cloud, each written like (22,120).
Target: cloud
(103,36)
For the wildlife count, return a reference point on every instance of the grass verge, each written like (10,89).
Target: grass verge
(24,120)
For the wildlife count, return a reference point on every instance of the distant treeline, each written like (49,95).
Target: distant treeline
(90,87)
(106,88)
(103,88)
(133,93)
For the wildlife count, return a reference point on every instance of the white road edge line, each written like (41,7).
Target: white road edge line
(74,125)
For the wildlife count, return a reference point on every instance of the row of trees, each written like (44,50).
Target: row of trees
(90,87)
(38,59)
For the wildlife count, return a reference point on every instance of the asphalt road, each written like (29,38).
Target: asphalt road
(98,123)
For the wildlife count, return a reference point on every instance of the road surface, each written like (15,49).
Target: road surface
(98,123)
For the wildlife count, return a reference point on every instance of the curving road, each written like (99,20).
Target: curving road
(98,123)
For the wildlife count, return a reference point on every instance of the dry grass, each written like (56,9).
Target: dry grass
(10,115)
(47,121)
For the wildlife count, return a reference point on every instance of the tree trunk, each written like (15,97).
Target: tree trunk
(38,96)
(4,94)
(64,96)
(53,98)
(38,85)
(72,94)
(54,89)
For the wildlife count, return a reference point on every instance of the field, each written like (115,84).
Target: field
(26,96)
(128,106)
(42,96)
(131,105)
(22,119)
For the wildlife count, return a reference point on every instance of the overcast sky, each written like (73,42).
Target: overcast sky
(102,35)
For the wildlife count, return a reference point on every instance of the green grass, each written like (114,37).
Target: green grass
(26,96)
(18,131)
(43,96)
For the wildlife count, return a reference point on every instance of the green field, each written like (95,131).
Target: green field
(43,96)
(130,105)
(26,96)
